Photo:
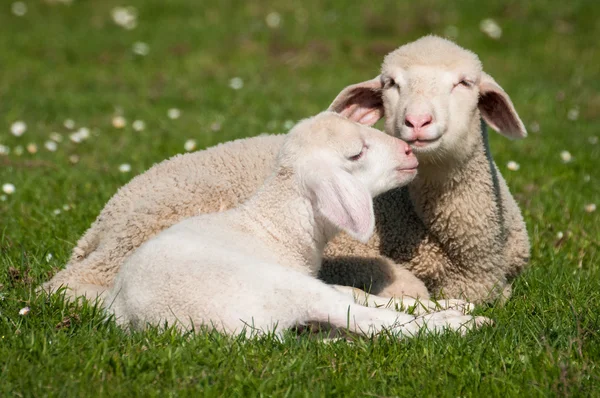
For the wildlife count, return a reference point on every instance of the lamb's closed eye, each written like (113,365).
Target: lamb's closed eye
(358,154)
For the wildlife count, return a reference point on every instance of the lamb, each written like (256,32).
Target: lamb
(456,227)
(467,236)
(253,268)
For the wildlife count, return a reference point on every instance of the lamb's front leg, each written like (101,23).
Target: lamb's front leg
(404,303)
(374,321)
(339,310)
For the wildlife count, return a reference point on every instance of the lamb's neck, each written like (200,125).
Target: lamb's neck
(282,216)
(465,195)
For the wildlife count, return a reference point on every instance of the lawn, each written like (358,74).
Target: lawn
(214,71)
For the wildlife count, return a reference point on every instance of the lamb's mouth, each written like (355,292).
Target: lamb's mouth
(422,143)
(412,168)
(408,170)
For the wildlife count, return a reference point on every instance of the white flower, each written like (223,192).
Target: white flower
(216,126)
(513,166)
(559,235)
(140,48)
(138,125)
(74,159)
(566,156)
(24,311)
(189,145)
(3,198)
(66,207)
(56,212)
(31,148)
(491,28)
(19,8)
(125,17)
(288,124)
(56,137)
(48,257)
(173,113)
(593,140)
(84,133)
(590,207)
(125,168)
(4,150)
(236,83)
(51,146)
(80,135)
(18,128)
(19,150)
(534,127)
(573,114)
(8,188)
(69,123)
(119,122)
(273,20)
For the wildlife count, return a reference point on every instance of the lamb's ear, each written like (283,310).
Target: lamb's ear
(497,109)
(360,102)
(343,200)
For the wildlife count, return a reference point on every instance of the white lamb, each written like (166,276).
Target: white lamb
(255,266)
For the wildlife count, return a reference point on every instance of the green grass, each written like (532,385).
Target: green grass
(72,62)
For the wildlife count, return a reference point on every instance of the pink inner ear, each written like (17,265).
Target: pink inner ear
(362,115)
(499,113)
(497,109)
(367,111)
(371,117)
(349,110)
(360,102)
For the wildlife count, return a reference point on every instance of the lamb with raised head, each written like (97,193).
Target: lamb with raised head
(254,267)
(456,226)
(466,237)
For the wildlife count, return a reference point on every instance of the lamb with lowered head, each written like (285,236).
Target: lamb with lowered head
(254,267)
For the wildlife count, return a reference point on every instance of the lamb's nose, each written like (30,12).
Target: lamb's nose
(417,122)
(407,149)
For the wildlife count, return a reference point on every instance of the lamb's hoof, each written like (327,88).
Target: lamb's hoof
(456,304)
(483,321)
(452,320)
(423,306)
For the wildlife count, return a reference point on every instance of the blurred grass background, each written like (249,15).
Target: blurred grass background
(64,60)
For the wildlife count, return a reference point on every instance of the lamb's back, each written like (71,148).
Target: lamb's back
(183,186)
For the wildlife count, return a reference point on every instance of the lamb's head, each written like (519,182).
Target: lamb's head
(432,93)
(341,165)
